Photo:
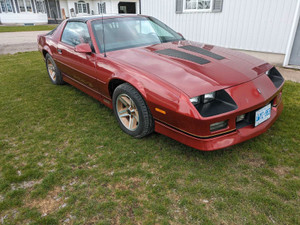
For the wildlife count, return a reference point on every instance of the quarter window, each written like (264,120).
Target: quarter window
(197,5)
(76,33)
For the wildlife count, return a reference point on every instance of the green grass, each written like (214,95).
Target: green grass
(26,28)
(64,159)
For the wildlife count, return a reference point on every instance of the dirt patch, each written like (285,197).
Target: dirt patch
(25,184)
(51,203)
(282,171)
(252,160)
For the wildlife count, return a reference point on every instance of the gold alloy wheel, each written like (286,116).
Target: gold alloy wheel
(51,69)
(127,112)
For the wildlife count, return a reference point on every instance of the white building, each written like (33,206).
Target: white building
(270,26)
(257,25)
(53,11)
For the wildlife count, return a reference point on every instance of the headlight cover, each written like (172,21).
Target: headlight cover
(195,100)
(214,103)
(204,98)
(209,97)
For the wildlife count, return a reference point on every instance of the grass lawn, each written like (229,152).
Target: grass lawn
(26,28)
(65,160)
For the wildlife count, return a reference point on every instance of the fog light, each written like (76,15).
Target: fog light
(240,118)
(218,125)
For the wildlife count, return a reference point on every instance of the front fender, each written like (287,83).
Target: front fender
(166,104)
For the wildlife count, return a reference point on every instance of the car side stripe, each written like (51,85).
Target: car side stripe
(194,135)
(202,51)
(183,55)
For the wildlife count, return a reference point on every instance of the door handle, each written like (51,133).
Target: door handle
(59,51)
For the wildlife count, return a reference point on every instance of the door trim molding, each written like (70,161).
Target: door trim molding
(292,38)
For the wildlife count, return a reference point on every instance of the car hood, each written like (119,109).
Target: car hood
(196,73)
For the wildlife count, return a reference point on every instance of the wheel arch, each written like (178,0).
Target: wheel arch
(46,50)
(115,82)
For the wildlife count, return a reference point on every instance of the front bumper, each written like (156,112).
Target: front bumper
(223,140)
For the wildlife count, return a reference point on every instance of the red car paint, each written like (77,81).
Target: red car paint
(168,83)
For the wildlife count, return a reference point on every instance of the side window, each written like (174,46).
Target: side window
(76,33)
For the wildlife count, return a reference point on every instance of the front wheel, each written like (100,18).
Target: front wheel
(132,111)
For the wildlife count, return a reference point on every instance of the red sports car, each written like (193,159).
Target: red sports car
(204,96)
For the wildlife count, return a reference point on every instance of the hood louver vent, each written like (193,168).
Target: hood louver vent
(183,55)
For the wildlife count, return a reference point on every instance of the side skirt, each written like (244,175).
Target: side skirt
(96,95)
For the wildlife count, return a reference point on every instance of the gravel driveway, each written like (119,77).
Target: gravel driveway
(13,42)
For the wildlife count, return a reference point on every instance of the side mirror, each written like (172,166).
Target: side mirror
(83,48)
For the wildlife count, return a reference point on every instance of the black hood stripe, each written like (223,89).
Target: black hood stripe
(183,55)
(202,51)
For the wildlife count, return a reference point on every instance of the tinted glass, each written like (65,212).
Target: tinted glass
(76,33)
(130,32)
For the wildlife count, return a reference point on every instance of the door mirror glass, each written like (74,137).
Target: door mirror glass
(83,48)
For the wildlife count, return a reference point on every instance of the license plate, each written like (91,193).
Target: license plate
(262,114)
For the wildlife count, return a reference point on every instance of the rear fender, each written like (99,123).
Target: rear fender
(47,49)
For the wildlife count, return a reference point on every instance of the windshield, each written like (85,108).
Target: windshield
(130,32)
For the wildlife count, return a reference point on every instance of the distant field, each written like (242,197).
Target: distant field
(64,160)
(26,28)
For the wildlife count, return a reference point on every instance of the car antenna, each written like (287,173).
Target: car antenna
(101,8)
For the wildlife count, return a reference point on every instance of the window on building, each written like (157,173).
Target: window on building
(22,5)
(102,8)
(197,5)
(2,6)
(40,6)
(6,6)
(28,6)
(25,5)
(82,7)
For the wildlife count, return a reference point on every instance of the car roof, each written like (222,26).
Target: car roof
(87,18)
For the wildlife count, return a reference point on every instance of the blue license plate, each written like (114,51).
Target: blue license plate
(262,114)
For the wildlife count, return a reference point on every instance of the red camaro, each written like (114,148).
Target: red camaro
(204,96)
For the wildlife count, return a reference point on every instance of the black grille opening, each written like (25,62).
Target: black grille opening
(249,118)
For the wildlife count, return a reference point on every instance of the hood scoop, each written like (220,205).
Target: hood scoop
(182,55)
(202,52)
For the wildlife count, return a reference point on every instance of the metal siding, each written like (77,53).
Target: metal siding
(258,25)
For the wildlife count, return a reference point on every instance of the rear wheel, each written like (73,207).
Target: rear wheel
(132,111)
(53,71)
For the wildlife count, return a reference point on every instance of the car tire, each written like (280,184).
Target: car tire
(53,71)
(132,112)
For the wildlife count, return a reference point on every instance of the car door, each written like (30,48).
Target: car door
(80,67)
